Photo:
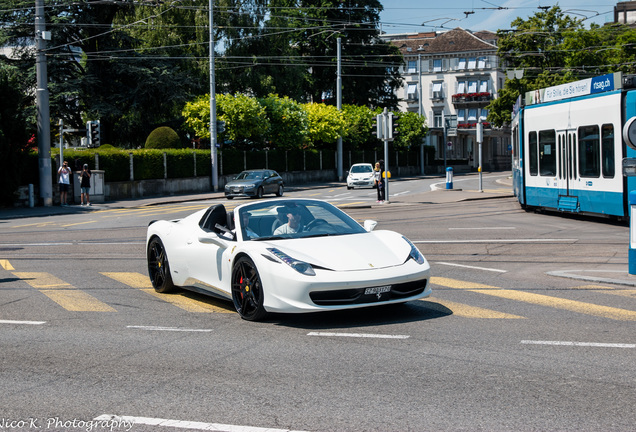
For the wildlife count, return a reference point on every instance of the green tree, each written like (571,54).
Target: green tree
(535,46)
(411,129)
(14,134)
(358,128)
(326,124)
(288,122)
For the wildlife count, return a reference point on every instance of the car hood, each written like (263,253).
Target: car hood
(246,182)
(364,251)
(360,175)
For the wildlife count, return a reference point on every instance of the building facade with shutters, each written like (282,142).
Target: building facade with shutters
(454,75)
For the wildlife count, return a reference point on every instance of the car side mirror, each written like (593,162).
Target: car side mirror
(369,225)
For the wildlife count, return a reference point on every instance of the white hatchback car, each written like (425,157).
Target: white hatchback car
(360,175)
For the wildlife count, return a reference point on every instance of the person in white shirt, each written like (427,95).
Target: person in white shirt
(65,182)
(293,224)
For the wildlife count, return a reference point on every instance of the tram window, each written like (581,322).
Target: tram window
(532,154)
(572,155)
(547,154)
(561,157)
(607,136)
(589,152)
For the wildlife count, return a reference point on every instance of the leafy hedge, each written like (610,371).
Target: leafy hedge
(184,163)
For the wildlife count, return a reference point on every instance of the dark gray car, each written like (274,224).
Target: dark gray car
(255,183)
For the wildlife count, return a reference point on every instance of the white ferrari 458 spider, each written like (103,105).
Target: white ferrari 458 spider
(285,255)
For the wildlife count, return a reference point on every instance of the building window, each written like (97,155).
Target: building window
(437,91)
(472,115)
(437,119)
(482,63)
(483,114)
(412,66)
(483,87)
(437,65)
(411,93)
(461,87)
(472,87)
(472,63)
(462,64)
(461,115)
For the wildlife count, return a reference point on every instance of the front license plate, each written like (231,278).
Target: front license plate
(378,290)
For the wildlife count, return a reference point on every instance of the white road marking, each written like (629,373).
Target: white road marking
(473,267)
(129,420)
(175,329)
(579,344)
(564,240)
(483,228)
(22,322)
(358,335)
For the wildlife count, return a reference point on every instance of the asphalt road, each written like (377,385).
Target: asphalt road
(502,344)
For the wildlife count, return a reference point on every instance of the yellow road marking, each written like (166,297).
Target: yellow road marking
(63,293)
(6,264)
(350,204)
(38,224)
(540,299)
(182,300)
(78,223)
(76,300)
(134,280)
(41,280)
(467,311)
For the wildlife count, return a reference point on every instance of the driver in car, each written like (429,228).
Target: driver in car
(293,224)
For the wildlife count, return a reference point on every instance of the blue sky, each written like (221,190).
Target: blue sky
(407,16)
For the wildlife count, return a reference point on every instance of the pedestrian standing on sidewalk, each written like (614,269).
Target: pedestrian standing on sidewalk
(85,184)
(65,182)
(377,177)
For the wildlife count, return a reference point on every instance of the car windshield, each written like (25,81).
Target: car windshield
(357,169)
(250,175)
(292,219)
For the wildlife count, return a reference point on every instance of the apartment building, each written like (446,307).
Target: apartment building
(454,75)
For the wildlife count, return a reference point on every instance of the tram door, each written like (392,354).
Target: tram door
(566,142)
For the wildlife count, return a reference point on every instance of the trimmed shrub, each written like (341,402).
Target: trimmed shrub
(162,138)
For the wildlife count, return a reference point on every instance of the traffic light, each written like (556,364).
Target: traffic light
(378,127)
(93,133)
(220,126)
(393,126)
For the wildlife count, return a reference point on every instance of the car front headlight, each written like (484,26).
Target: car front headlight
(415,252)
(300,266)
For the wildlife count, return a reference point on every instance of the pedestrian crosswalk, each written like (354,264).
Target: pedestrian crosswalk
(85,299)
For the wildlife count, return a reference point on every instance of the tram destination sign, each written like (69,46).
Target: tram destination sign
(600,84)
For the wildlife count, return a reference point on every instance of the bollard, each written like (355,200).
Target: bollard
(449,178)
(31,197)
(632,233)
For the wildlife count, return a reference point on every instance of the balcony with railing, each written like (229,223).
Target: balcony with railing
(471,98)
(471,124)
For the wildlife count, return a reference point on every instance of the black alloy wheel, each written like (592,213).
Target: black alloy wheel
(158,267)
(280,191)
(247,290)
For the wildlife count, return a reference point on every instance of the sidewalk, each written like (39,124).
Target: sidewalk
(436,196)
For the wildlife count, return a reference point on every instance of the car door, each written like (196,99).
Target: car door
(204,253)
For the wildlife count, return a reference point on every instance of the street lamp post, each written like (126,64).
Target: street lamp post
(213,154)
(42,100)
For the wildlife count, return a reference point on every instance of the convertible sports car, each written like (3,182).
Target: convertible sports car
(285,255)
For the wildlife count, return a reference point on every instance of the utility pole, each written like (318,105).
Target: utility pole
(213,155)
(42,99)
(339,106)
